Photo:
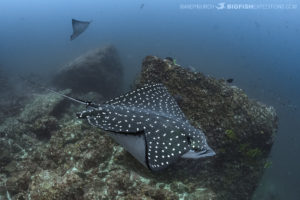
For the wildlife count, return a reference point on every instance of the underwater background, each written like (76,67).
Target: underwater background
(258,48)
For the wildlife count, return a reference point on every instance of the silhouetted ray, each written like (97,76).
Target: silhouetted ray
(78,28)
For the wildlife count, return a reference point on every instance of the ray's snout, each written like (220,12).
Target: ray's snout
(199,154)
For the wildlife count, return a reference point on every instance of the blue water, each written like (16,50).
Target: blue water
(259,48)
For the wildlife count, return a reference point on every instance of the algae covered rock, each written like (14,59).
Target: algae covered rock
(42,105)
(99,70)
(239,129)
(50,186)
(40,115)
(224,112)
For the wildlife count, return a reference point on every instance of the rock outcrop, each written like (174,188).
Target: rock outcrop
(240,130)
(99,70)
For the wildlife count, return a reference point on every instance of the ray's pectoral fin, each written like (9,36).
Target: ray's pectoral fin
(164,149)
(111,121)
(153,97)
(130,136)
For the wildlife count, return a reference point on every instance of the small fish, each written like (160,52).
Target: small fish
(191,69)
(171,60)
(142,6)
(78,27)
(149,124)
(230,80)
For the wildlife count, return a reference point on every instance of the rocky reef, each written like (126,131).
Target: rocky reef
(46,153)
(239,129)
(99,70)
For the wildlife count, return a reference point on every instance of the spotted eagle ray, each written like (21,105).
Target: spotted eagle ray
(78,27)
(149,124)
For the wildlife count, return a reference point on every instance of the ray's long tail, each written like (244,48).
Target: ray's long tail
(34,84)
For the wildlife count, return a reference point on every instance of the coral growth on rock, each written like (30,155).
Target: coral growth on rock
(46,153)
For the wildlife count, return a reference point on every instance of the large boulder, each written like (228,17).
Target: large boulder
(240,130)
(99,70)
